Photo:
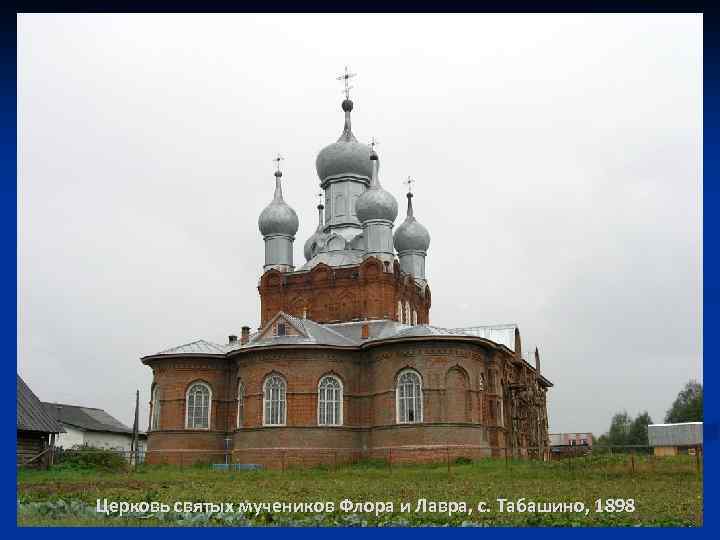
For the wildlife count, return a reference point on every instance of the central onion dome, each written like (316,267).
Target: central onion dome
(375,202)
(411,235)
(278,217)
(346,156)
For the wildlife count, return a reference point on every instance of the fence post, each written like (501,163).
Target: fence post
(697,459)
(632,460)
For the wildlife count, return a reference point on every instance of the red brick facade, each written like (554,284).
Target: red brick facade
(469,406)
(325,294)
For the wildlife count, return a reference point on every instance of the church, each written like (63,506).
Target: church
(345,364)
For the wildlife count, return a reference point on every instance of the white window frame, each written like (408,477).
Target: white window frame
(155,412)
(320,401)
(417,399)
(240,404)
(400,311)
(282,401)
(209,406)
(408,319)
(414,317)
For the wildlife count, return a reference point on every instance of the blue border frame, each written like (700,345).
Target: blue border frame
(8,230)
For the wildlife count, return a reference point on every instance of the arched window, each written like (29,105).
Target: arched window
(155,406)
(414,318)
(241,403)
(408,316)
(198,400)
(274,401)
(408,397)
(399,311)
(330,398)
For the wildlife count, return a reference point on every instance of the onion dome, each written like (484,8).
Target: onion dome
(411,235)
(317,239)
(375,202)
(278,217)
(346,156)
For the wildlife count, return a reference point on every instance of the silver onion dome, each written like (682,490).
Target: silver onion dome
(411,235)
(278,217)
(346,156)
(375,202)
(317,240)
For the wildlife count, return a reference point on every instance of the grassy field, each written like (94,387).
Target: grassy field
(666,492)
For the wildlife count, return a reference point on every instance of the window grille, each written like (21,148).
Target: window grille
(330,397)
(409,398)
(198,407)
(274,401)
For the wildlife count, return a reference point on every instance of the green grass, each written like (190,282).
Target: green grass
(667,491)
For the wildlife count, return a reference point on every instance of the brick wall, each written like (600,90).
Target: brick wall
(327,294)
(460,413)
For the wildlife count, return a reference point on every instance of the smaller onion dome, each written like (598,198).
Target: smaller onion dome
(278,217)
(411,235)
(347,155)
(375,202)
(317,240)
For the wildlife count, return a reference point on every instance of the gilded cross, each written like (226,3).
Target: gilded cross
(320,198)
(373,143)
(346,77)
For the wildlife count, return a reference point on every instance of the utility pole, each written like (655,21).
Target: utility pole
(134,450)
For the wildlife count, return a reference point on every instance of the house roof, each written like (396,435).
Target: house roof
(86,418)
(31,415)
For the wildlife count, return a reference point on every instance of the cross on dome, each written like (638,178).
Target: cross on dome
(346,77)
(409,183)
(373,143)
(277,160)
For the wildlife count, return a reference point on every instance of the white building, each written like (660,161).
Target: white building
(92,427)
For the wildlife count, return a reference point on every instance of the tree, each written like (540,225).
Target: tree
(638,434)
(688,406)
(626,431)
(618,434)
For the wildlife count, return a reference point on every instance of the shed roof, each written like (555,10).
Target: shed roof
(87,418)
(31,415)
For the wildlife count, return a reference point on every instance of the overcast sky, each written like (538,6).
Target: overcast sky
(557,159)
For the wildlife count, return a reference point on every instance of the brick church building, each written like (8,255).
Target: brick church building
(345,364)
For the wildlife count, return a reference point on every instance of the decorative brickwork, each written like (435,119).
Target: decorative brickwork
(326,294)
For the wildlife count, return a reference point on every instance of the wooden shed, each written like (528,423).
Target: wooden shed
(36,429)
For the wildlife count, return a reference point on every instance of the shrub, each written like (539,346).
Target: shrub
(86,457)
(462,460)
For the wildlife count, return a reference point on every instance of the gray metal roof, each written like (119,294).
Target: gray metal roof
(87,418)
(682,434)
(31,415)
(312,333)
(348,334)
(196,347)
(503,334)
(345,257)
